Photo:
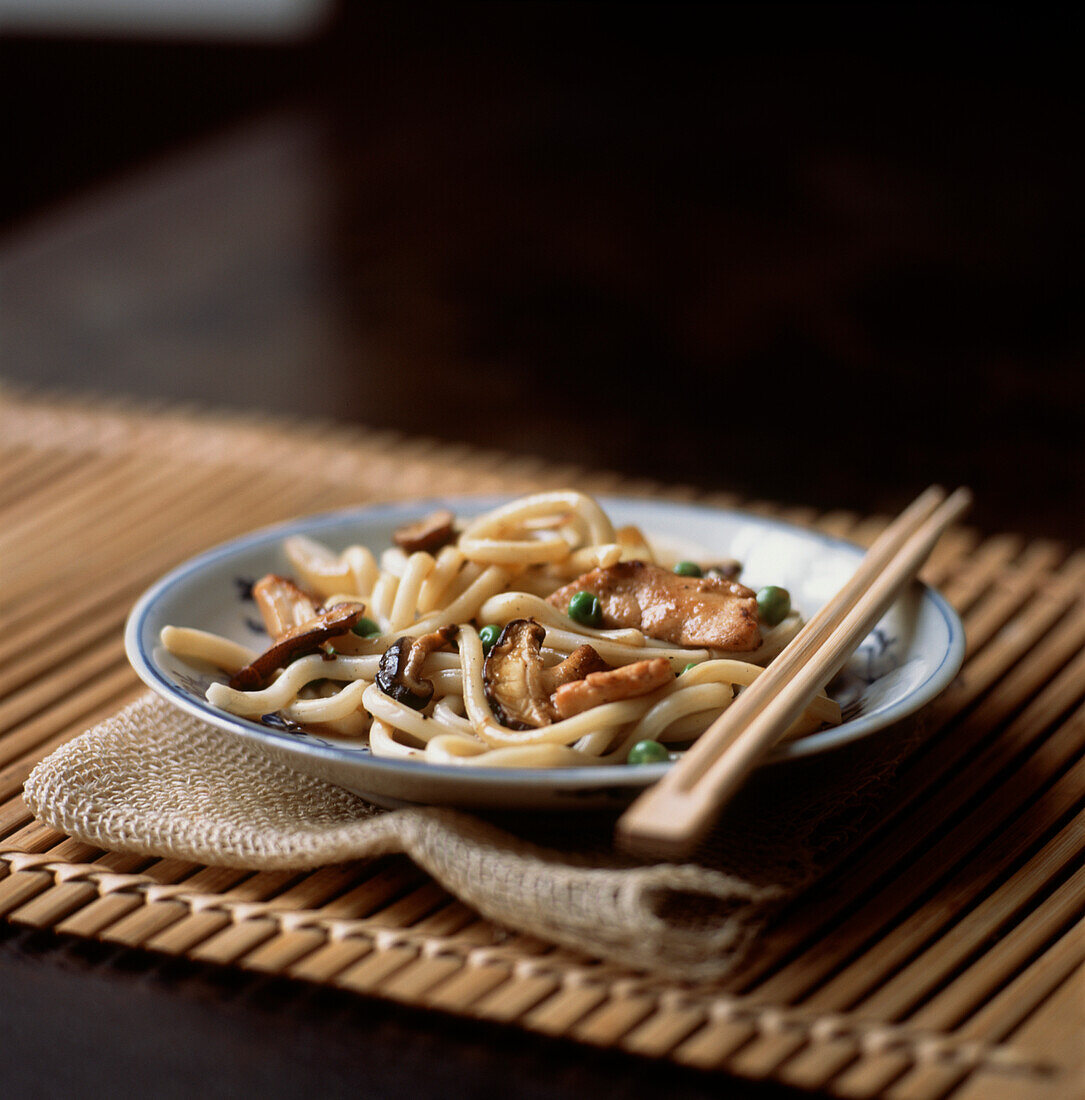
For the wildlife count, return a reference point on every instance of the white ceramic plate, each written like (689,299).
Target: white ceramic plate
(908,659)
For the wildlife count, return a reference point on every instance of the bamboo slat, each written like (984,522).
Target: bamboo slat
(944,960)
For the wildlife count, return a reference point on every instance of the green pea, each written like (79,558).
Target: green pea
(688,569)
(773,604)
(488,635)
(586,609)
(366,628)
(692,664)
(647,752)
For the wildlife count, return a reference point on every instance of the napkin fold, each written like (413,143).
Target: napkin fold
(154,780)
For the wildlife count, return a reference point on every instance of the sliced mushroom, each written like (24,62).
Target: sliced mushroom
(583,661)
(518,686)
(513,677)
(283,605)
(297,642)
(400,671)
(729,569)
(429,534)
(597,688)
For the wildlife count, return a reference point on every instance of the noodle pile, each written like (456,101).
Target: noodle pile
(497,570)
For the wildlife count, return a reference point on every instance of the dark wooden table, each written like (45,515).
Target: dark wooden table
(85,1019)
(808,256)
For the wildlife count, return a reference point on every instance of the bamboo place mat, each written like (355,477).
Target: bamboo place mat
(946,958)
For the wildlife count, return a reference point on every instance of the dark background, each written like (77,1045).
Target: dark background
(825,254)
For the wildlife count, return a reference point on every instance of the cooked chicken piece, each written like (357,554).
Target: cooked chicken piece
(689,611)
(283,605)
(597,688)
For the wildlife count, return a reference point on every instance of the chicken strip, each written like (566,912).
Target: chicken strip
(597,688)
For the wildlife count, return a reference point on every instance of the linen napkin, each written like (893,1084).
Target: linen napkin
(153,780)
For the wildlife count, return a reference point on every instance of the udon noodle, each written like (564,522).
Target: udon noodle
(399,649)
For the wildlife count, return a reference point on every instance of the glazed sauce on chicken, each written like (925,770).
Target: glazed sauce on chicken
(689,611)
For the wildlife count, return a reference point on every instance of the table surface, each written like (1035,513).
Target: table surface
(621,248)
(82,1018)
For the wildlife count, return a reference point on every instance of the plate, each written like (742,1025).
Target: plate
(908,658)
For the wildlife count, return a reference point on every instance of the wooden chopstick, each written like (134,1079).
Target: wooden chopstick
(671,817)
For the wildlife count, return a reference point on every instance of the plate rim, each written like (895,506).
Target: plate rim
(587,776)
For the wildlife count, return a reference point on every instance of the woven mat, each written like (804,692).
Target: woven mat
(944,957)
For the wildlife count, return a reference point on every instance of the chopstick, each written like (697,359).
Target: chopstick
(670,818)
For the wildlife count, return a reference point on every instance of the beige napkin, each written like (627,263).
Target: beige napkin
(155,781)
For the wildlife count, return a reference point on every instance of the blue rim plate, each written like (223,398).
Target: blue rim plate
(908,659)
